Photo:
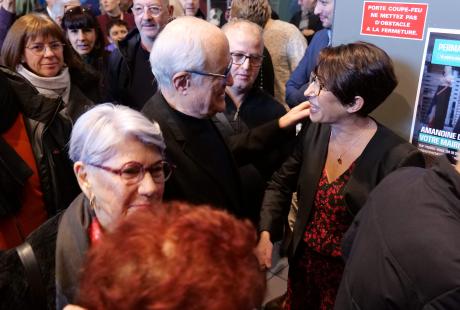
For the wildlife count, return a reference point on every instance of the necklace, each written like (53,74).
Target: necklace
(355,142)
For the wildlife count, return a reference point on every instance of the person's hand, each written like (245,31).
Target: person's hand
(295,115)
(308,32)
(264,251)
(73,307)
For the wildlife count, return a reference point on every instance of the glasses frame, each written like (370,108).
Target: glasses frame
(148,10)
(250,57)
(45,47)
(72,9)
(222,76)
(142,172)
(317,84)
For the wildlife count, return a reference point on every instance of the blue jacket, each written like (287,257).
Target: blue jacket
(297,83)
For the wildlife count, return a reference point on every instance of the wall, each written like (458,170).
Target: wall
(407,54)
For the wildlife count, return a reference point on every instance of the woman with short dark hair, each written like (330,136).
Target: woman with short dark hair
(342,154)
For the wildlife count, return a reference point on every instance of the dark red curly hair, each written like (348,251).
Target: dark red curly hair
(174,257)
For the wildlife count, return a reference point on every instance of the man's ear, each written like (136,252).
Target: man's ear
(181,82)
(356,105)
(79,168)
(171,11)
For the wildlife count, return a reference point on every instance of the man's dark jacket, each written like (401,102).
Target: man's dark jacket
(121,70)
(403,248)
(192,180)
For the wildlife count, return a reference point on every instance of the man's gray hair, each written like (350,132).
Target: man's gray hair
(179,47)
(98,132)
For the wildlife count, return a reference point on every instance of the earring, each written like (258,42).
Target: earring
(92,202)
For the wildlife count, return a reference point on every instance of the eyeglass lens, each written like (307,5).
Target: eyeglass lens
(134,172)
(152,10)
(240,59)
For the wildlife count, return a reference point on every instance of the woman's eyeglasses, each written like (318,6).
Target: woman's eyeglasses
(315,85)
(39,49)
(134,172)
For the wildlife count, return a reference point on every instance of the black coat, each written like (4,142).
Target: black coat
(49,132)
(194,180)
(121,70)
(403,247)
(301,172)
(59,246)
(256,111)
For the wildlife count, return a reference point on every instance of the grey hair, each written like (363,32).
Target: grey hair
(177,48)
(97,133)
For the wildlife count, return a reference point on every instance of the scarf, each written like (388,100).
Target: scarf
(71,246)
(51,87)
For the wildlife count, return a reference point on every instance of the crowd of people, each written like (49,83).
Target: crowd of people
(150,159)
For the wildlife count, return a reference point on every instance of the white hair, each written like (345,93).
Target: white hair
(180,46)
(99,131)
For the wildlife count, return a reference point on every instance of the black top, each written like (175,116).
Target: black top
(144,85)
(403,248)
(301,172)
(129,76)
(257,110)
(205,170)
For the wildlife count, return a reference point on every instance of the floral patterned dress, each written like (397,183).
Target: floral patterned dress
(316,270)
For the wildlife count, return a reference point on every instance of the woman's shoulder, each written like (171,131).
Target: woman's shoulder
(388,138)
(394,150)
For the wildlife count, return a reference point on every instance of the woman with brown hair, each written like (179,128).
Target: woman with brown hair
(36,48)
(342,154)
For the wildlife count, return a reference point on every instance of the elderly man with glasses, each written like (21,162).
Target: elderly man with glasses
(192,64)
(130,79)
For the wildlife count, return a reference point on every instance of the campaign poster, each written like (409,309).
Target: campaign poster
(436,120)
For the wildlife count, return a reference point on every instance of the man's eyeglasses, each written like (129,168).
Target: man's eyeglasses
(153,10)
(134,172)
(240,58)
(315,85)
(39,49)
(222,76)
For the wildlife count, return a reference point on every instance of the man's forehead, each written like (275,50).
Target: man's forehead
(150,2)
(244,34)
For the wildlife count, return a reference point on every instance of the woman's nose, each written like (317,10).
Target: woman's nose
(80,35)
(147,186)
(310,91)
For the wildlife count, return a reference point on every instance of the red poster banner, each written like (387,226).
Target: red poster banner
(394,19)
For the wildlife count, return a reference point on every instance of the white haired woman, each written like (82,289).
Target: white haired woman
(119,164)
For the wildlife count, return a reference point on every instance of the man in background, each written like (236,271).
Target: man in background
(131,81)
(307,22)
(298,82)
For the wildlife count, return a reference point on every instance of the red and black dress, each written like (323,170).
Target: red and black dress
(316,270)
